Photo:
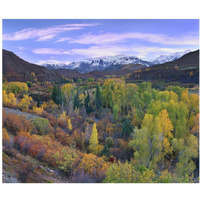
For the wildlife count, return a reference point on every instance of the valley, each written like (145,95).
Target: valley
(129,123)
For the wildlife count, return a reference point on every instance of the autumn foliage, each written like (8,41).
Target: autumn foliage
(111,132)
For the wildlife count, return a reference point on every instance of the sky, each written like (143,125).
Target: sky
(66,40)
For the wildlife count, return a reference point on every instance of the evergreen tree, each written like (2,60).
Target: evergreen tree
(105,151)
(109,142)
(127,129)
(98,97)
(88,105)
(38,102)
(59,95)
(56,94)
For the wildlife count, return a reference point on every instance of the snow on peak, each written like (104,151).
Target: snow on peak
(101,63)
(171,57)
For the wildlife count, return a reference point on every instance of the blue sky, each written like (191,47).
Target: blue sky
(54,41)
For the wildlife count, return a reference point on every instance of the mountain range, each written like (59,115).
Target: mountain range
(184,70)
(110,63)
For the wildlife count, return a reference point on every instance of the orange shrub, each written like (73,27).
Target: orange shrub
(94,166)
(6,137)
(62,136)
(52,119)
(15,123)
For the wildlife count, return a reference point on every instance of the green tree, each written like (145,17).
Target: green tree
(79,80)
(109,142)
(98,97)
(178,90)
(105,151)
(127,129)
(115,112)
(127,173)
(56,94)
(188,150)
(38,102)
(67,91)
(90,79)
(88,105)
(145,86)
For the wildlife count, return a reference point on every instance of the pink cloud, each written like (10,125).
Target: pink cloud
(44,33)
(112,38)
(109,50)
(63,39)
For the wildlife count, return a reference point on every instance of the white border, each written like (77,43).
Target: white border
(101,9)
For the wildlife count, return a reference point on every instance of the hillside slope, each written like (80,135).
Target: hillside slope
(17,69)
(183,70)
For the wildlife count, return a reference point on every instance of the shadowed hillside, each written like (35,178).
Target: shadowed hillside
(183,70)
(17,69)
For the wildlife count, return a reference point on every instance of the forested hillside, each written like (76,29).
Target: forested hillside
(108,131)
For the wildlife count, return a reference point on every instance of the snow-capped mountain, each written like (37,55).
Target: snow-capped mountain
(101,63)
(113,62)
(171,57)
(54,66)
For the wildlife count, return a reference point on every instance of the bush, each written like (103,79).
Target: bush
(93,166)
(42,125)
(15,123)
(30,84)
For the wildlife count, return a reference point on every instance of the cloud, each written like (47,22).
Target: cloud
(46,37)
(112,38)
(63,39)
(150,53)
(94,51)
(40,62)
(21,48)
(49,51)
(99,51)
(110,50)
(43,34)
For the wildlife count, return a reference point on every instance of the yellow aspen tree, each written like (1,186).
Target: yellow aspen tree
(165,124)
(38,110)
(6,137)
(5,98)
(164,130)
(63,116)
(12,99)
(185,97)
(25,102)
(69,125)
(94,140)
